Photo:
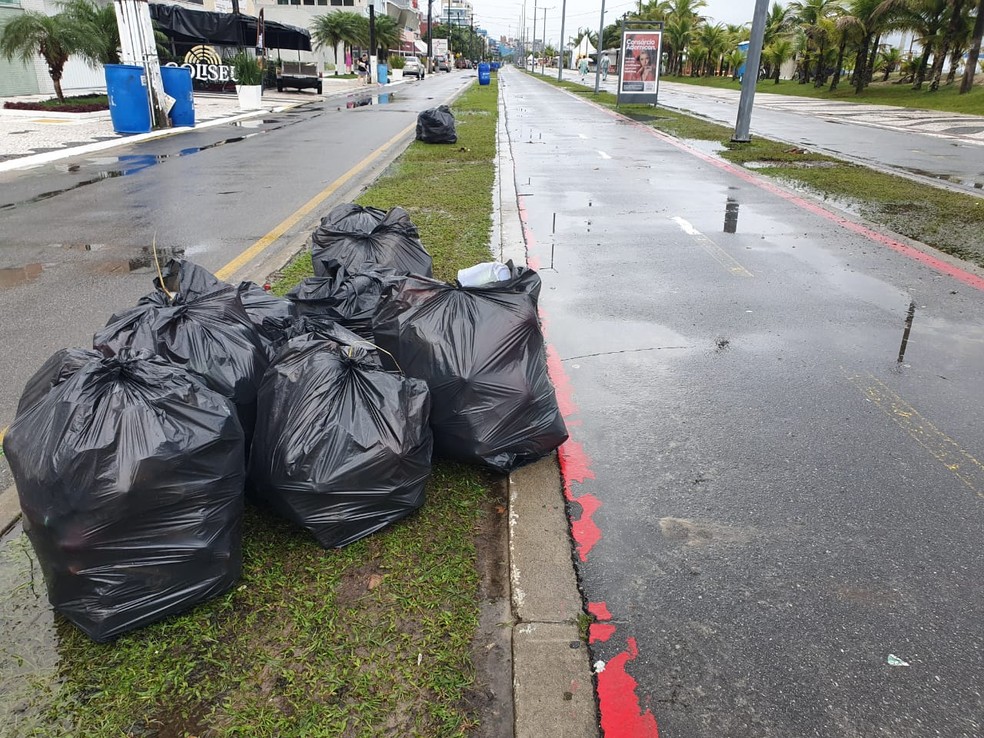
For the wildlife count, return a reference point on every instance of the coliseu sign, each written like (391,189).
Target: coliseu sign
(206,65)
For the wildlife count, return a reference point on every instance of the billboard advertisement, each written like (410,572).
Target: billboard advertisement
(638,76)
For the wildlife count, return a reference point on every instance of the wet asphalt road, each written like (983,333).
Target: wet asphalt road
(75,235)
(783,509)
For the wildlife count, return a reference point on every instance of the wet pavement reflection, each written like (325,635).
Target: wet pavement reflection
(731,216)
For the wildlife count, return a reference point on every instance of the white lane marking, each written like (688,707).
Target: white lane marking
(603,155)
(719,254)
(581,135)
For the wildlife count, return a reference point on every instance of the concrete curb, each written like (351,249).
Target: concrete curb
(553,688)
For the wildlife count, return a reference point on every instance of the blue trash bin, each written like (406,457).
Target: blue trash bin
(382,74)
(484,73)
(177,84)
(495,66)
(129,103)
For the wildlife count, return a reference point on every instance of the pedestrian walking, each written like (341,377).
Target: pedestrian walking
(605,63)
(582,67)
(362,67)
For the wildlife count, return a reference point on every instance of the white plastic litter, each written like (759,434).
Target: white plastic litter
(484,273)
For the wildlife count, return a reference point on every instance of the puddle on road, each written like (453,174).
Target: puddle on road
(707,147)
(754,164)
(362,102)
(16,276)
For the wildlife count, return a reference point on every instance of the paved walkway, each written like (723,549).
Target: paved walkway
(28,138)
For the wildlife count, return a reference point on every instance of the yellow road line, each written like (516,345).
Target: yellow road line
(270,238)
(721,256)
(941,447)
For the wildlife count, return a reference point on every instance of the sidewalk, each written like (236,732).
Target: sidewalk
(29,138)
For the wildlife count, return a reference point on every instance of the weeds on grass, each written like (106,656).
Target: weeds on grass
(372,639)
(948,221)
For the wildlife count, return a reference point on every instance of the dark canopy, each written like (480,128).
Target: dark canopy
(184,25)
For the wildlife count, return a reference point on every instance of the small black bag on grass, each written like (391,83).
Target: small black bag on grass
(352,218)
(393,244)
(342,448)
(348,299)
(130,475)
(481,351)
(436,126)
(206,330)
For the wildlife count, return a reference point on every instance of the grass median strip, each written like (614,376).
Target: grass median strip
(948,221)
(373,639)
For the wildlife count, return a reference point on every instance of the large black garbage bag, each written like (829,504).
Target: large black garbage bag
(349,299)
(342,448)
(393,244)
(209,334)
(266,312)
(481,351)
(436,126)
(61,366)
(352,218)
(130,475)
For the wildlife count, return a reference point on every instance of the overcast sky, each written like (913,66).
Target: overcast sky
(502,17)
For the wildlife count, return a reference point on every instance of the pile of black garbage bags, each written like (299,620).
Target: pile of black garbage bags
(133,460)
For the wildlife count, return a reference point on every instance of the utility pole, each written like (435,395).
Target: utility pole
(533,66)
(373,60)
(430,34)
(751,73)
(601,33)
(543,60)
(563,51)
(139,47)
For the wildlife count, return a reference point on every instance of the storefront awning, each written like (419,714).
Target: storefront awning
(184,25)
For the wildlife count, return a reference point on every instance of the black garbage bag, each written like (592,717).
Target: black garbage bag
(130,475)
(352,218)
(183,278)
(393,244)
(323,328)
(266,312)
(481,351)
(436,126)
(349,299)
(209,334)
(342,447)
(60,367)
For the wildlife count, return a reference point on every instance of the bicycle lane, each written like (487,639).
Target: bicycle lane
(642,307)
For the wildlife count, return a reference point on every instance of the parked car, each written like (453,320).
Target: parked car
(442,64)
(413,68)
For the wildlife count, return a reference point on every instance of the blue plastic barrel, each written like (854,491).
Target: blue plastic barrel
(129,103)
(177,84)
(382,74)
(484,73)
(495,66)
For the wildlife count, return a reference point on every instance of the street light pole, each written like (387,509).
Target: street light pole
(563,53)
(601,33)
(533,65)
(751,72)
(430,34)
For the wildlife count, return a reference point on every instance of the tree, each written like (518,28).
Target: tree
(388,34)
(331,29)
(102,31)
(950,39)
(54,37)
(975,49)
(889,60)
(714,40)
(778,53)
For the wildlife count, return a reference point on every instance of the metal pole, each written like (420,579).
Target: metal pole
(601,33)
(563,54)
(533,67)
(751,73)
(430,34)
(543,57)
(372,43)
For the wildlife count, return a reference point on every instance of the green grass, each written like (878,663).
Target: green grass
(79,103)
(948,221)
(946,98)
(374,639)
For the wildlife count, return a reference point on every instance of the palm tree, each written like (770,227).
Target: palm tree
(733,61)
(331,30)
(975,49)
(950,40)
(103,44)
(926,20)
(54,37)
(889,60)
(388,34)
(714,40)
(778,53)
(815,18)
